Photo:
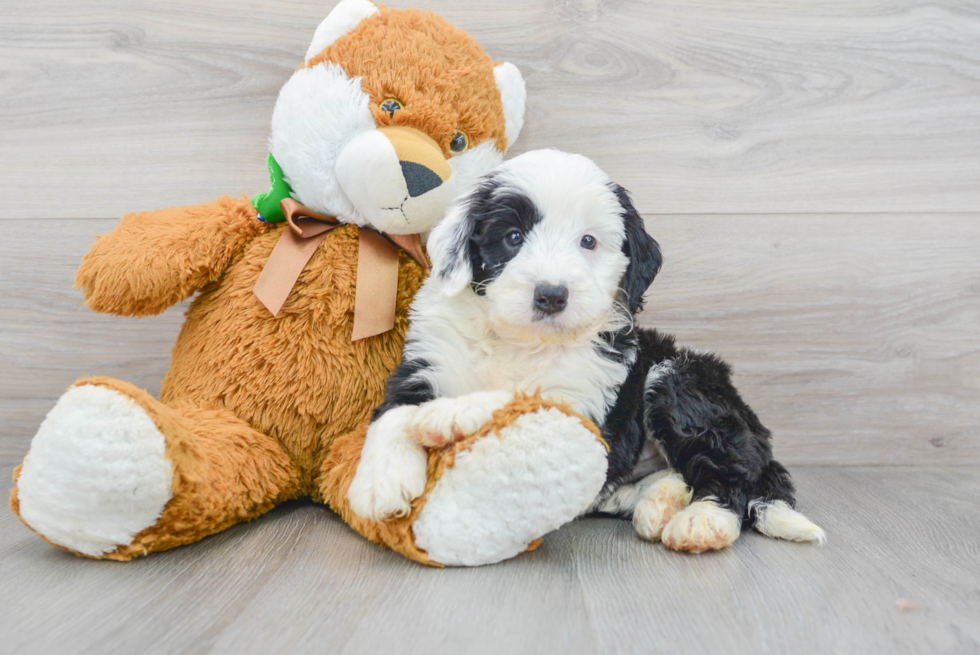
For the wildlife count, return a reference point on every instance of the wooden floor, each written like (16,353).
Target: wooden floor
(812,172)
(298,580)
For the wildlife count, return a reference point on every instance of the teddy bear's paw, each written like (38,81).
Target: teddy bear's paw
(508,490)
(96,474)
(702,525)
(392,471)
(443,421)
(660,502)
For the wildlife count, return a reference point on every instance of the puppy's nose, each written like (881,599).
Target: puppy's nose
(418,178)
(550,298)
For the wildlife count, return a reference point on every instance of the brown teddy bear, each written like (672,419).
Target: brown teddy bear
(301,312)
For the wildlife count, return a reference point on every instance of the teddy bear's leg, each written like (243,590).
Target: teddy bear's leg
(535,466)
(113,473)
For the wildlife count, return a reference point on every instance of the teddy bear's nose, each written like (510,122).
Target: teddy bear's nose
(418,178)
(397,178)
(423,165)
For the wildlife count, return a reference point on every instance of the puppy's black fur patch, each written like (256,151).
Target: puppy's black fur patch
(689,406)
(495,211)
(706,431)
(491,211)
(622,428)
(642,250)
(405,387)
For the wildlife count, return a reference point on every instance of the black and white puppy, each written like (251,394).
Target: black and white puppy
(538,275)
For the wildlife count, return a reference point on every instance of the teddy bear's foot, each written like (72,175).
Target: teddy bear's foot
(114,473)
(97,473)
(702,525)
(503,491)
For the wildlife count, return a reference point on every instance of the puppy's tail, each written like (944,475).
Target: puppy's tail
(772,513)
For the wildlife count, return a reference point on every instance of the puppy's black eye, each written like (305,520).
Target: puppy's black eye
(514,238)
(588,242)
(459,143)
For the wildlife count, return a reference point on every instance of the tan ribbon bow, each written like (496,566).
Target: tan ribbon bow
(377,267)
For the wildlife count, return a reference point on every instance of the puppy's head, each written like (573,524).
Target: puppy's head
(553,245)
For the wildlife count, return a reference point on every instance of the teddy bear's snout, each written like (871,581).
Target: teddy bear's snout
(397,178)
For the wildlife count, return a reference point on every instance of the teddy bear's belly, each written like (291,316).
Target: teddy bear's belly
(296,377)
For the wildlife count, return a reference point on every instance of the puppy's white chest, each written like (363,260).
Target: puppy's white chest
(518,371)
(578,375)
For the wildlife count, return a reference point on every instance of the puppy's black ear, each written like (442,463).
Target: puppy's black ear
(642,251)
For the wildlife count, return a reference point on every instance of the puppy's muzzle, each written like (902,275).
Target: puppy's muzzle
(397,178)
(550,298)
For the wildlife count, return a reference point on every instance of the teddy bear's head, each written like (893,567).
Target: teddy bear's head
(392,115)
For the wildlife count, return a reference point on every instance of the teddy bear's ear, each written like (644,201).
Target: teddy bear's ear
(513,95)
(341,20)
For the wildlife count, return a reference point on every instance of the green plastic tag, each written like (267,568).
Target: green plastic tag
(267,204)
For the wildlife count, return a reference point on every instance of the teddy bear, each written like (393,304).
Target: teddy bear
(302,297)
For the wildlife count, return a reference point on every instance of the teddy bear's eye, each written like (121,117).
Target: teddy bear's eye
(459,143)
(390,106)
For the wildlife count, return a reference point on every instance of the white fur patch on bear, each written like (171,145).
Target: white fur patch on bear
(513,95)
(319,110)
(96,474)
(342,19)
(504,492)
(474,163)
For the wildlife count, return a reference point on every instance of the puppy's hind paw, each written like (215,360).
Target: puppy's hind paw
(703,525)
(659,503)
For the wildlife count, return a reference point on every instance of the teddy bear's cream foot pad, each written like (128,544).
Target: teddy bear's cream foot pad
(96,474)
(505,491)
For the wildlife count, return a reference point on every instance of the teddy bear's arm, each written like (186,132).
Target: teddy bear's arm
(155,259)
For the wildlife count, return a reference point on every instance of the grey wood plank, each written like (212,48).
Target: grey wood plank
(299,581)
(50,339)
(855,338)
(708,106)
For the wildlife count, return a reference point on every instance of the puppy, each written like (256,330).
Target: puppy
(538,275)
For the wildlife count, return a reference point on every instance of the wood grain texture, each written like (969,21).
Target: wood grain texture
(298,580)
(856,339)
(706,106)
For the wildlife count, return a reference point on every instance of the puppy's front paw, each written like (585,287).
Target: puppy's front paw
(702,526)
(387,481)
(660,502)
(443,421)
